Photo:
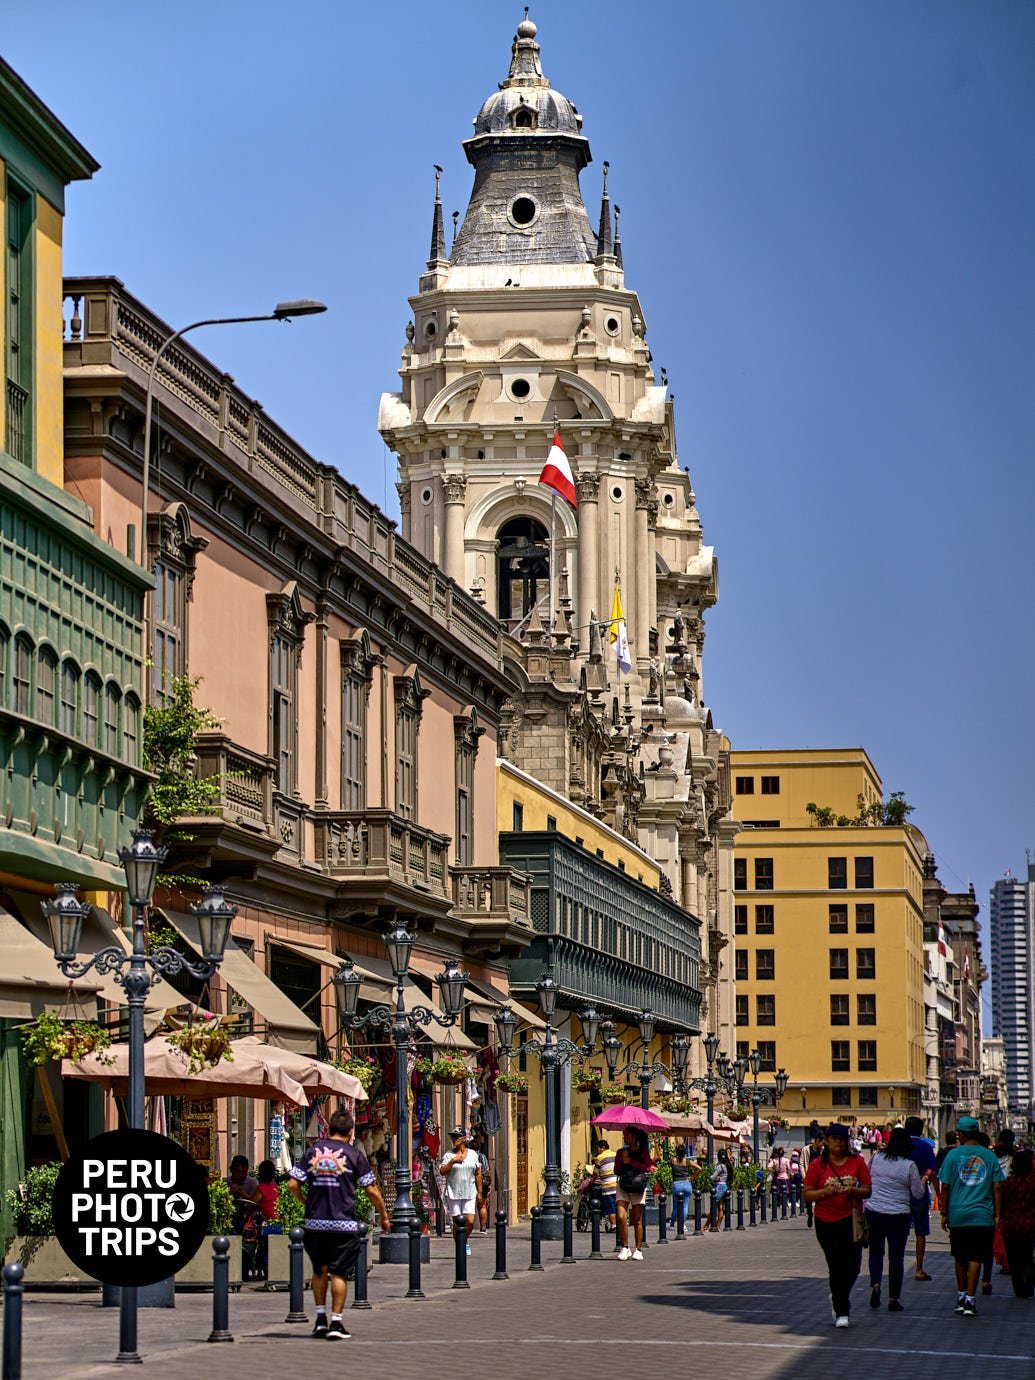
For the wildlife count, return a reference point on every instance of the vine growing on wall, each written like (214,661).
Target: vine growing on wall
(170,730)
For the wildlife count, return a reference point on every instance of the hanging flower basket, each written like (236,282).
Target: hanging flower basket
(367,1070)
(512,1083)
(675,1102)
(448,1071)
(49,1039)
(612,1094)
(204,1045)
(586,1080)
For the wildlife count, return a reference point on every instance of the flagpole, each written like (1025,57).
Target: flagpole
(553,551)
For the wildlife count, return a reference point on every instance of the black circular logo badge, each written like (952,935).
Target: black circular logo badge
(132,1208)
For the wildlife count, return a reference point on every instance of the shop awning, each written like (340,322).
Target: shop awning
(380,970)
(493,997)
(30,980)
(301,948)
(286,1025)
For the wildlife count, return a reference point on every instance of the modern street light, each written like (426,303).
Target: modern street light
(758,1095)
(283,311)
(136,973)
(402,1024)
(553,1054)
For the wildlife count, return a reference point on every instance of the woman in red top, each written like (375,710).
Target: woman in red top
(836,1184)
(1017,1221)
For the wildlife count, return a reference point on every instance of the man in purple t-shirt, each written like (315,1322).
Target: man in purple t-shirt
(927,1168)
(333,1169)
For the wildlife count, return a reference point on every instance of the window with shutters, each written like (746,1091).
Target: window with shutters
(841,1056)
(839,964)
(5,649)
(172,551)
(409,707)
(866,963)
(357,663)
(765,1010)
(287,620)
(767,1051)
(765,965)
(19,324)
(864,919)
(21,680)
(46,685)
(91,708)
(70,681)
(867,1056)
(112,706)
(131,730)
(866,1008)
(466,732)
(764,920)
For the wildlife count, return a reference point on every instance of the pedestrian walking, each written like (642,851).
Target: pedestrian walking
(780,1170)
(1017,1223)
(332,1171)
(927,1167)
(836,1184)
(721,1188)
(813,1152)
(604,1173)
(482,1205)
(951,1139)
(463,1178)
(895,1187)
(970,1194)
(633,1164)
(682,1188)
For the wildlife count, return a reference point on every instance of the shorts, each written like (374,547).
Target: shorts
(921,1213)
(969,1245)
(333,1251)
(720,1191)
(631,1199)
(461,1207)
(608,1206)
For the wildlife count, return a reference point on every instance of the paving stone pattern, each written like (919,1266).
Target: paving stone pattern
(749,1305)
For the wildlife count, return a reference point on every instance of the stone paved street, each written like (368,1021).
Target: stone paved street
(751,1304)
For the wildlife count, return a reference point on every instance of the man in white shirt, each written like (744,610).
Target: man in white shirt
(462,1173)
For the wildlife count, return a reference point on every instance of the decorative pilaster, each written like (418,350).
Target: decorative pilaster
(587,489)
(454,492)
(644,574)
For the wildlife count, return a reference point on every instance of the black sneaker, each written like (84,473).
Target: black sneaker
(337,1332)
(969,1308)
(320,1330)
(960,1302)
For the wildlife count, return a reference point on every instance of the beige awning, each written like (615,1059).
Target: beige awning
(301,948)
(481,1012)
(31,981)
(380,970)
(286,1025)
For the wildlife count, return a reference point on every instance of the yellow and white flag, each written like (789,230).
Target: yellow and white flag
(620,634)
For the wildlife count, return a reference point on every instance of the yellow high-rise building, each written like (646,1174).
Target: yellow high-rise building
(829,936)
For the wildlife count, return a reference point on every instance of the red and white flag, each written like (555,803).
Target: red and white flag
(943,947)
(966,964)
(557,474)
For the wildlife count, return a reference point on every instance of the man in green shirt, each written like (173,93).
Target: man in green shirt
(970,1185)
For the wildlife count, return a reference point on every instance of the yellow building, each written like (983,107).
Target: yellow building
(829,936)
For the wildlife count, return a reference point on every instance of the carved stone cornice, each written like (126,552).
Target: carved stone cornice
(644,490)
(403,490)
(454,488)
(587,487)
(287,618)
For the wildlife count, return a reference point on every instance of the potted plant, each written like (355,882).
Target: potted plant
(48,1039)
(363,1067)
(511,1083)
(612,1094)
(196,1277)
(289,1213)
(204,1045)
(449,1069)
(586,1080)
(34,1246)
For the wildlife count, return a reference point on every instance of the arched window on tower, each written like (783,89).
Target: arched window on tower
(522,568)
(523,118)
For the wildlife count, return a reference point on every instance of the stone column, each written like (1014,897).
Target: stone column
(454,489)
(644,576)
(403,490)
(652,556)
(587,489)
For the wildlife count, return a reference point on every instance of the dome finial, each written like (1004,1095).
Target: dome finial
(526,29)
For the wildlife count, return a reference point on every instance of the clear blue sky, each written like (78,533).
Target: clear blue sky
(829,214)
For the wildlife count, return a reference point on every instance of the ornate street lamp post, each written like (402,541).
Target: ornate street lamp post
(645,1068)
(758,1095)
(136,973)
(402,1025)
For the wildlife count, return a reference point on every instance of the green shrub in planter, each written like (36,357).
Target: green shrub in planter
(661,1178)
(289,1212)
(744,1176)
(32,1203)
(221,1209)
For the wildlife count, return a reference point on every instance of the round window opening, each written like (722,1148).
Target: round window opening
(613,325)
(426,495)
(668,500)
(431,329)
(520,388)
(616,494)
(523,211)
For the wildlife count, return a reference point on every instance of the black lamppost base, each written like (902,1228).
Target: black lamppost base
(553,1224)
(394,1248)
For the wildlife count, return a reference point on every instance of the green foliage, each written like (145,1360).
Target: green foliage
(363,1067)
(32,1203)
(563,1181)
(49,1039)
(204,1045)
(512,1083)
(612,1094)
(170,730)
(744,1175)
(661,1178)
(290,1211)
(892,812)
(700,1175)
(221,1209)
(420,1205)
(448,1069)
(365,1208)
(160,935)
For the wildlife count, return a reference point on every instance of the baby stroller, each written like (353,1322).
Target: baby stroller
(584,1202)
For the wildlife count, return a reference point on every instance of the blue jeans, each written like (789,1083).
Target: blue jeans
(892,1228)
(682,1189)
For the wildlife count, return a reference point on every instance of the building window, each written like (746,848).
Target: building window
(131,730)
(46,685)
(19,325)
(357,663)
(763,874)
(518,820)
(745,785)
(764,920)
(740,919)
(841,1097)
(112,703)
(466,730)
(767,1051)
(743,1049)
(551,824)
(742,1011)
(839,1008)
(866,963)
(765,1010)
(172,551)
(69,698)
(770,785)
(841,1056)
(839,964)
(838,919)
(287,621)
(22,678)
(864,874)
(864,920)
(765,965)
(409,706)
(868,1097)
(91,708)
(837,874)
(5,646)
(740,965)
(740,874)
(867,1056)
(866,1008)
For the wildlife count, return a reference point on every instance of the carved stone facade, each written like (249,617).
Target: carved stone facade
(527,325)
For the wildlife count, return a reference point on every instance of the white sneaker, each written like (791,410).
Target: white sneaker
(625,1253)
(841,1321)
(637,1255)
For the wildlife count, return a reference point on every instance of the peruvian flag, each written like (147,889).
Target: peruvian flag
(966,964)
(943,948)
(556,473)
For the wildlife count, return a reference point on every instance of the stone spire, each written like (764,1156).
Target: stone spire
(618,239)
(605,249)
(438,231)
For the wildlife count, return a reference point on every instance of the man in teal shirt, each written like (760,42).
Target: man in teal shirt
(970,1189)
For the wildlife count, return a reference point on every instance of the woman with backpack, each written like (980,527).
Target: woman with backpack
(633,1165)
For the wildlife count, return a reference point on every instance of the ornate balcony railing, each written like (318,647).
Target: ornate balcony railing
(17,397)
(378,843)
(491,894)
(245,781)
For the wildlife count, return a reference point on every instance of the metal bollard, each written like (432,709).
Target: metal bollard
(296,1265)
(697,1212)
(740,1209)
(680,1208)
(221,1291)
(618,1237)
(783,1207)
(415,1291)
(728,1216)
(794,1201)
(662,1218)
(460,1254)
(359,1293)
(568,1258)
(537,1238)
(762,1205)
(775,1204)
(595,1253)
(501,1245)
(14,1290)
(713,1212)
(440,1219)
(752,1218)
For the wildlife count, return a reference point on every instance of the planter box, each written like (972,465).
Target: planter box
(197,1276)
(46,1265)
(278,1263)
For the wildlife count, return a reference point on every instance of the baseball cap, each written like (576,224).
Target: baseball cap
(837,1128)
(456,1132)
(968,1123)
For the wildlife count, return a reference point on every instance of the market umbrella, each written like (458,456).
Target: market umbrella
(315,1076)
(618,1118)
(251,1073)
